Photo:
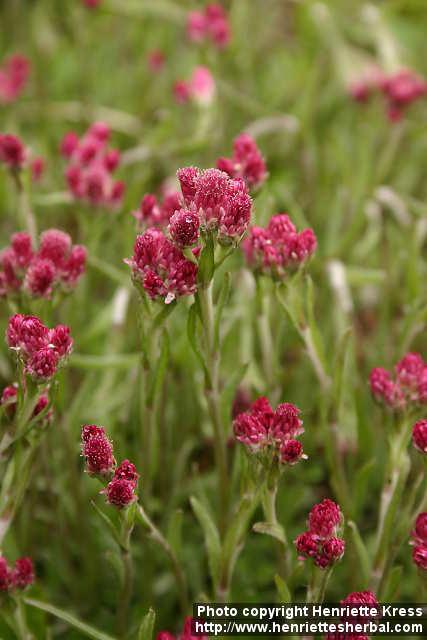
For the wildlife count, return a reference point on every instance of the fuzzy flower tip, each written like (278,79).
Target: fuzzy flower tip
(41,350)
(97,450)
(278,248)
(320,542)
(120,492)
(14,73)
(246,162)
(212,24)
(91,165)
(419,541)
(20,576)
(262,429)
(399,90)
(419,436)
(406,388)
(56,265)
(12,151)
(155,213)
(160,267)
(222,203)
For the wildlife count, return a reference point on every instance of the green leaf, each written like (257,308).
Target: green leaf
(392,585)
(362,553)
(282,589)
(146,628)
(69,618)
(206,262)
(211,535)
(110,524)
(222,301)
(344,344)
(274,530)
(174,534)
(192,337)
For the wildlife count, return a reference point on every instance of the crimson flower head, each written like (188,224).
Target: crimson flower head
(211,24)
(91,165)
(419,534)
(97,451)
(165,635)
(291,452)
(406,388)
(12,151)
(9,398)
(419,436)
(127,471)
(14,73)
(419,556)
(184,228)
(278,248)
(57,264)
(324,518)
(60,339)
(156,60)
(5,574)
(120,492)
(246,162)
(320,542)
(31,339)
(262,428)
(161,268)
(91,4)
(152,213)
(223,204)
(23,574)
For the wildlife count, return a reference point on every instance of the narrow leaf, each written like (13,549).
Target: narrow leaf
(222,301)
(282,589)
(270,529)
(174,535)
(69,618)
(192,337)
(362,553)
(212,539)
(146,628)
(206,262)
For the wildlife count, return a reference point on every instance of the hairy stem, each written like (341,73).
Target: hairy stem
(212,392)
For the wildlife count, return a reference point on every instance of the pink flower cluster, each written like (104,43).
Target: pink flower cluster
(364,601)
(41,350)
(14,73)
(186,634)
(200,88)
(419,436)
(419,541)
(152,213)
(20,576)
(408,386)
(9,400)
(91,165)
(161,268)
(210,24)
(222,204)
(278,248)
(320,542)
(97,450)
(246,162)
(12,151)
(400,90)
(14,155)
(57,264)
(260,428)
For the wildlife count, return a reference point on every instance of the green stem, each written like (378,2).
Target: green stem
(126,592)
(158,537)
(21,621)
(270,514)
(212,392)
(265,337)
(396,476)
(24,206)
